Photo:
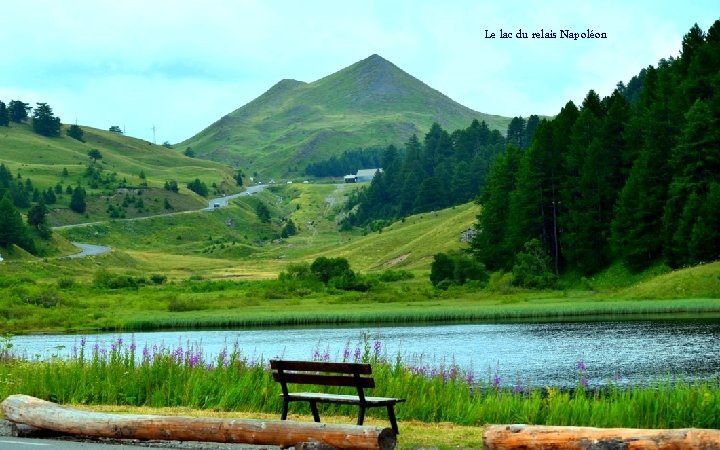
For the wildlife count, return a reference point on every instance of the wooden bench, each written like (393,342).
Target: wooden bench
(354,375)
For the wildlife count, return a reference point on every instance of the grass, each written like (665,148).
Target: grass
(124,159)
(448,398)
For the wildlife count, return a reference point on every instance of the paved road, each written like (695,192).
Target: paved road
(94,250)
(221,202)
(87,250)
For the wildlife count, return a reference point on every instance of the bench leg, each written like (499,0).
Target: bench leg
(361,415)
(284,413)
(313,408)
(391,416)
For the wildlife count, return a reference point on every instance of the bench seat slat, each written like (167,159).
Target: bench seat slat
(323,380)
(342,399)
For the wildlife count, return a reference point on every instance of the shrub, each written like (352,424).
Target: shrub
(65,283)
(532,267)
(47,298)
(456,268)
(158,279)
(106,280)
(327,268)
(299,271)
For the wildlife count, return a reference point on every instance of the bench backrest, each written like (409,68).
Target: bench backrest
(357,375)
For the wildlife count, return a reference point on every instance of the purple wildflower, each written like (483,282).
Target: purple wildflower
(346,353)
(517,389)
(496,380)
(357,354)
(584,382)
(83,341)
(470,378)
(581,366)
(195,359)
(377,346)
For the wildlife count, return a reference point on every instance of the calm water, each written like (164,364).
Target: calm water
(530,354)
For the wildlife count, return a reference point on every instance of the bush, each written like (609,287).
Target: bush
(327,268)
(65,283)
(299,271)
(47,298)
(456,268)
(106,280)
(532,267)
(158,279)
(350,282)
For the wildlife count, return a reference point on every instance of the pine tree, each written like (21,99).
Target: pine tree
(4,116)
(431,196)
(695,163)
(489,243)
(44,122)
(578,238)
(12,228)
(77,201)
(18,111)
(76,133)
(638,220)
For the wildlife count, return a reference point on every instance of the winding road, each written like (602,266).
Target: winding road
(94,250)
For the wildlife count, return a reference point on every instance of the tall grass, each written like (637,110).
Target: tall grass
(181,376)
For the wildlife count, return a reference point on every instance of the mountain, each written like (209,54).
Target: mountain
(370,103)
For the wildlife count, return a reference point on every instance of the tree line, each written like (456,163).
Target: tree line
(632,177)
(443,170)
(348,163)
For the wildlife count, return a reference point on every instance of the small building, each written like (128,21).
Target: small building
(350,179)
(363,175)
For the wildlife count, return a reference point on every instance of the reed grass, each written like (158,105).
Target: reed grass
(182,377)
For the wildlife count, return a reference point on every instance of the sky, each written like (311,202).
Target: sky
(163,70)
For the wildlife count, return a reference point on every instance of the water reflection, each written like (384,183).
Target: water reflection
(529,354)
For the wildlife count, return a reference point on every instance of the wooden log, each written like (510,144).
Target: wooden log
(528,437)
(50,416)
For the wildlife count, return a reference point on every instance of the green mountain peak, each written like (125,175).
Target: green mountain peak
(369,103)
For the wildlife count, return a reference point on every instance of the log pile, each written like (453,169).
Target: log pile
(50,416)
(527,437)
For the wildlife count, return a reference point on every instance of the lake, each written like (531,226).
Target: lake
(540,354)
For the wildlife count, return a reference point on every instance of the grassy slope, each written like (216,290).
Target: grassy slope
(43,159)
(371,102)
(233,237)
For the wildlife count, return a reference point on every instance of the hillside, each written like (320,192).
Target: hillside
(232,242)
(370,103)
(126,162)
